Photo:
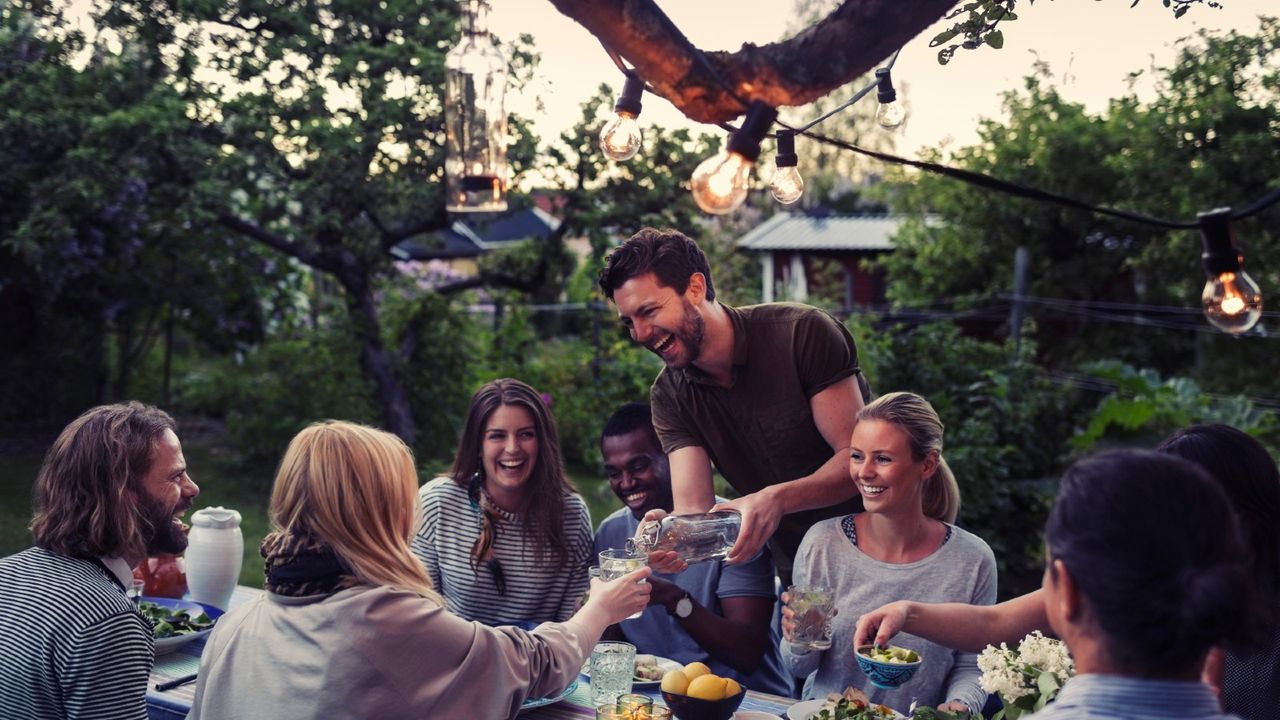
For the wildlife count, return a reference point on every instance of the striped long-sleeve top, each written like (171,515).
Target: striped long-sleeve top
(71,644)
(536,591)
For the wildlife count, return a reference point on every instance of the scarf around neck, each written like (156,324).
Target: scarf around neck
(300,564)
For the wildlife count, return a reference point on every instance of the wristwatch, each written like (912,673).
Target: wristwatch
(683,608)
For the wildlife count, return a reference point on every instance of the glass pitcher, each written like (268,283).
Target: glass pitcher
(695,538)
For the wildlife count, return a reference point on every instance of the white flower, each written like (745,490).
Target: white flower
(1012,673)
(1046,654)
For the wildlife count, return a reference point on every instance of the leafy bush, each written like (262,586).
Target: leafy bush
(271,392)
(1144,409)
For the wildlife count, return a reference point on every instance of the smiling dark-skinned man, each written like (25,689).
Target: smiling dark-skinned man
(714,613)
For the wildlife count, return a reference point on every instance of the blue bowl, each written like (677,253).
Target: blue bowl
(885,675)
(688,708)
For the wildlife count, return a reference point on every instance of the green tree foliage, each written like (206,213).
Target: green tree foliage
(1207,140)
(1144,409)
(323,124)
(100,253)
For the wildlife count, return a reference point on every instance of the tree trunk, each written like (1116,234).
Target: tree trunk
(376,360)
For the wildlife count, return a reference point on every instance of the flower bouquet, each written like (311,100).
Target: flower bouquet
(1028,678)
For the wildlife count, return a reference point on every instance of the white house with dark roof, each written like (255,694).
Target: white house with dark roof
(785,241)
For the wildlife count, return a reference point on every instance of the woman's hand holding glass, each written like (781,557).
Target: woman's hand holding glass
(622,597)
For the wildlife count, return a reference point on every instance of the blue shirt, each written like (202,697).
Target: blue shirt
(657,633)
(1117,697)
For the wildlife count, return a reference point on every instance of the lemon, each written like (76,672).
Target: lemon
(696,669)
(731,687)
(707,687)
(675,682)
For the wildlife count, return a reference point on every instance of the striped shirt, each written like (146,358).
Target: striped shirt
(71,643)
(536,591)
(1116,697)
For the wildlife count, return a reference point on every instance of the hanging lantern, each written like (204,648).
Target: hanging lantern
(475,121)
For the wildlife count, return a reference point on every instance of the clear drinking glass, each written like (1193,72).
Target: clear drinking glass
(613,665)
(635,704)
(136,590)
(813,606)
(616,563)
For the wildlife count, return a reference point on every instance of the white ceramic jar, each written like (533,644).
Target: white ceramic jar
(215,549)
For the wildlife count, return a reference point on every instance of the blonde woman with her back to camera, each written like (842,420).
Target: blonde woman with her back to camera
(350,626)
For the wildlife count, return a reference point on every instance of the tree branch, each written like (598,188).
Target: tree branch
(848,43)
(270,239)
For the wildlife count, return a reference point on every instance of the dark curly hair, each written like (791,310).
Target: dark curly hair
(668,254)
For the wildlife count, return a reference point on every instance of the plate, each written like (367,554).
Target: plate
(549,700)
(664,664)
(806,709)
(164,646)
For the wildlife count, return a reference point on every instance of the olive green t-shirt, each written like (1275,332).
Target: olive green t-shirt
(760,430)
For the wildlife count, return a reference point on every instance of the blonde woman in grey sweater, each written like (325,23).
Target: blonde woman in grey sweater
(904,546)
(350,626)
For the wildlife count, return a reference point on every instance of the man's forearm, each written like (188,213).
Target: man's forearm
(828,485)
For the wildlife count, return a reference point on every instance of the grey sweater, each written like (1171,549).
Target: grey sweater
(963,570)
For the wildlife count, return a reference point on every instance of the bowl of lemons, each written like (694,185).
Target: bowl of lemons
(695,693)
(887,667)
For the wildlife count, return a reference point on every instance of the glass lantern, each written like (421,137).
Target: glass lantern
(475,120)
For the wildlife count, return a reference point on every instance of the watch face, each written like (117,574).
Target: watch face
(684,607)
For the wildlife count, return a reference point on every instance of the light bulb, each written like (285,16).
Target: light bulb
(720,183)
(1232,302)
(621,137)
(787,186)
(891,115)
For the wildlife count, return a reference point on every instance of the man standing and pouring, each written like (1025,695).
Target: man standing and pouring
(768,393)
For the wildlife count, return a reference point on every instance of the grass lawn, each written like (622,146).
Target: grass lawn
(223,482)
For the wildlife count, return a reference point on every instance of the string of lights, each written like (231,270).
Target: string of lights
(1231,299)
(476,171)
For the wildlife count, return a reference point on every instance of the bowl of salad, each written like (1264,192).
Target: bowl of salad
(177,622)
(887,667)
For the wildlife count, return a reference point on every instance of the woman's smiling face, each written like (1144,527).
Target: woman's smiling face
(510,450)
(882,466)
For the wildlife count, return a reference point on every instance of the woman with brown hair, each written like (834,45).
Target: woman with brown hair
(351,626)
(505,537)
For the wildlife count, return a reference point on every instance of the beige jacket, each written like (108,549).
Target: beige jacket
(377,653)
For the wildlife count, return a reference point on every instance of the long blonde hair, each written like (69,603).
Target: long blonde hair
(920,422)
(355,488)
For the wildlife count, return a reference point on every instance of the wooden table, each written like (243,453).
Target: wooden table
(174,704)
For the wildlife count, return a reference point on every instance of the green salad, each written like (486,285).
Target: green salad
(891,654)
(846,709)
(170,622)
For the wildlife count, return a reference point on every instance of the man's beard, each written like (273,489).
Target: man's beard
(163,536)
(689,334)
